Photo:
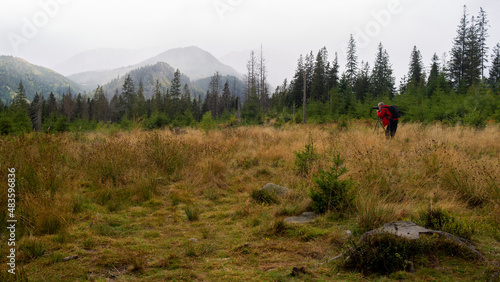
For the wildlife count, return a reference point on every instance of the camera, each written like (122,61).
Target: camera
(375,108)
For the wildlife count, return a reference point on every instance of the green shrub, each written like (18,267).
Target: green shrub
(207,122)
(385,253)
(304,159)
(331,193)
(157,120)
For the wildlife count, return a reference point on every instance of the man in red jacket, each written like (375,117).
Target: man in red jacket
(387,120)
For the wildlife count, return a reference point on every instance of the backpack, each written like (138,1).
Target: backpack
(394,111)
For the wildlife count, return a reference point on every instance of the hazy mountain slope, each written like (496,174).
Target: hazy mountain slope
(35,79)
(194,62)
(191,61)
(91,79)
(164,73)
(161,71)
(103,59)
(236,85)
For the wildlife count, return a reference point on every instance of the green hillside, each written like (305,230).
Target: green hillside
(161,71)
(35,79)
(164,73)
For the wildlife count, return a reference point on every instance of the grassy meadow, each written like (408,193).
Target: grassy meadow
(177,205)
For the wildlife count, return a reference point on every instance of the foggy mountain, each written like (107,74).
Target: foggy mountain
(35,79)
(164,73)
(194,62)
(160,71)
(191,61)
(103,59)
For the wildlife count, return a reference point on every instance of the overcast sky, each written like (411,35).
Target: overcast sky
(46,32)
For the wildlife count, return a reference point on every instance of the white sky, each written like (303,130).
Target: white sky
(46,32)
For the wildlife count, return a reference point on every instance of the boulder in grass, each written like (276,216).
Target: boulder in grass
(273,189)
(305,217)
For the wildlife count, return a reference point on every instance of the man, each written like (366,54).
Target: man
(387,120)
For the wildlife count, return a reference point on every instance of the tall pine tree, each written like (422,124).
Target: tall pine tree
(482,30)
(352,61)
(382,80)
(416,68)
(129,97)
(458,52)
(494,79)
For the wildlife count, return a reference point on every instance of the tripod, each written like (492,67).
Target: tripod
(379,123)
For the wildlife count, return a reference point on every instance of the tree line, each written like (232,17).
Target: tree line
(454,90)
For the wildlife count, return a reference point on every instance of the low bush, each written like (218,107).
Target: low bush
(385,253)
(305,158)
(331,193)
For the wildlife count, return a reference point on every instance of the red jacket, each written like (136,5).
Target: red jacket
(385,115)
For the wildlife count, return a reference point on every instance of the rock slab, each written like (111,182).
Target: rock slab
(305,217)
(279,191)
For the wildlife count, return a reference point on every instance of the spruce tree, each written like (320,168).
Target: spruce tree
(482,30)
(318,89)
(416,67)
(175,88)
(472,60)
(432,82)
(458,51)
(297,85)
(308,71)
(382,80)
(128,96)
(186,98)
(20,101)
(157,100)
(140,107)
(494,79)
(352,61)
(251,77)
(333,74)
(51,105)
(213,94)
(362,86)
(35,112)
(226,98)
(100,110)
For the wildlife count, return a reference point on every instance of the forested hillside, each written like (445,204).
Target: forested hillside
(36,79)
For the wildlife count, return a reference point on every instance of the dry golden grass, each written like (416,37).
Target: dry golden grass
(118,200)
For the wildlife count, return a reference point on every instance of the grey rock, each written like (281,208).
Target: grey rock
(405,229)
(279,191)
(308,214)
(347,233)
(69,258)
(336,258)
(194,240)
(305,217)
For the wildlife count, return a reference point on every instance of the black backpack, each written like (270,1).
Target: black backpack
(394,111)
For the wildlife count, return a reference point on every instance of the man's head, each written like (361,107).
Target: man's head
(380,105)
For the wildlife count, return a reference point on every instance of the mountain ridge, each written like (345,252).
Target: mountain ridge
(35,79)
(192,61)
